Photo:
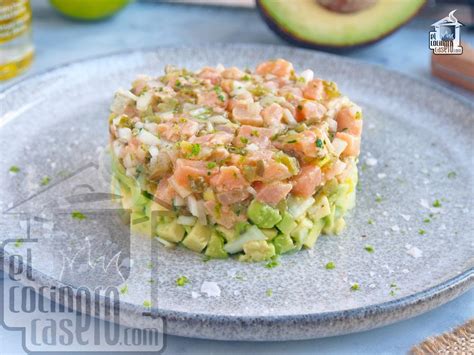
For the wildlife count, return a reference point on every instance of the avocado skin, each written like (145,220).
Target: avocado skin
(293,39)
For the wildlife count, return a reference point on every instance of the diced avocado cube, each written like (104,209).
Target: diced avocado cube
(152,206)
(287,224)
(198,238)
(306,223)
(215,247)
(283,243)
(252,233)
(313,234)
(139,199)
(257,250)
(270,233)
(263,215)
(140,223)
(228,234)
(329,221)
(170,231)
(339,193)
(339,225)
(166,243)
(240,228)
(299,235)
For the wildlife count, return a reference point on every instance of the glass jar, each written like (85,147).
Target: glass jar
(16,43)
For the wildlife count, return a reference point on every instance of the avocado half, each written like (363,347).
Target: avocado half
(309,24)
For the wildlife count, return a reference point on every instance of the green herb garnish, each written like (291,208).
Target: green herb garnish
(45,181)
(436,203)
(452,175)
(427,220)
(147,304)
(319,143)
(421,232)
(14,169)
(272,264)
(195,149)
(394,288)
(292,141)
(123,290)
(18,243)
(183,280)
(378,198)
(211,165)
(370,221)
(355,287)
(369,248)
(78,215)
(269,292)
(330,265)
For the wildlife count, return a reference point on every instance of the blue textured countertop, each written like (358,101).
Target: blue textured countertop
(59,40)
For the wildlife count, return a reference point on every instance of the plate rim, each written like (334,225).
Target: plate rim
(459,283)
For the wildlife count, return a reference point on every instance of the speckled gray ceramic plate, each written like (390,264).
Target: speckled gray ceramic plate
(417,149)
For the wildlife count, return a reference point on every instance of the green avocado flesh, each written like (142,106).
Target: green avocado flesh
(268,231)
(308,23)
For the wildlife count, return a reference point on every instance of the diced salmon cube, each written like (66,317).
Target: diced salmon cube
(353,144)
(306,182)
(212,98)
(223,214)
(278,67)
(232,196)
(228,178)
(233,73)
(314,90)
(250,134)
(169,131)
(189,128)
(227,85)
(165,193)
(302,144)
(347,122)
(273,192)
(210,74)
(272,115)
(218,138)
(186,169)
(247,113)
(275,171)
(310,110)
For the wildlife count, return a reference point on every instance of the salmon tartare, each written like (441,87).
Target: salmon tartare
(227,161)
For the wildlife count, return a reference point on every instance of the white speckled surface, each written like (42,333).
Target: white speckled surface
(417,136)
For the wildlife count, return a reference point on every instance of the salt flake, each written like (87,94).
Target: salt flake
(371,161)
(415,252)
(405,217)
(211,288)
